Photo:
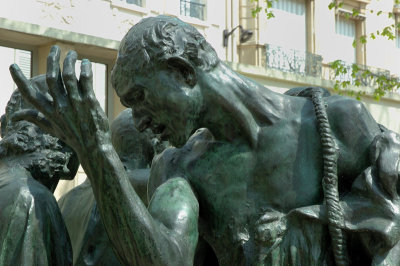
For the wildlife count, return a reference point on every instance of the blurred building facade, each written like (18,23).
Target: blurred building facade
(293,49)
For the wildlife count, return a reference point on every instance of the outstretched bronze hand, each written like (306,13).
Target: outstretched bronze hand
(72,113)
(166,233)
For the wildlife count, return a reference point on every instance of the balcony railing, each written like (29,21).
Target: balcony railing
(193,9)
(359,77)
(288,60)
(308,64)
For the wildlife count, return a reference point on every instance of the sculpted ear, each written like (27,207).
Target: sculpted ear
(185,68)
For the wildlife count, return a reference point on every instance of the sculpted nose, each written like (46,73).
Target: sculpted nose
(143,123)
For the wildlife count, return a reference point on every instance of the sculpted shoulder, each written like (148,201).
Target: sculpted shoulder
(354,129)
(21,188)
(349,115)
(172,161)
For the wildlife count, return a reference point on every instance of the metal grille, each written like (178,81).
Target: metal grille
(359,78)
(293,61)
(194,8)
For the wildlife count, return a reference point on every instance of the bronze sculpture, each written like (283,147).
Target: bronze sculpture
(89,240)
(32,231)
(247,172)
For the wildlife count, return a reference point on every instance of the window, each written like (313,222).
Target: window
(134,2)
(286,37)
(193,8)
(296,7)
(290,19)
(397,23)
(348,28)
(99,80)
(9,56)
(345,35)
(398,39)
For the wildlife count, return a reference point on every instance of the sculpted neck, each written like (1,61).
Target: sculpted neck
(18,161)
(30,164)
(236,107)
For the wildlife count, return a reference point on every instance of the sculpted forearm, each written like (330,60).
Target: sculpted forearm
(123,214)
(137,237)
(72,113)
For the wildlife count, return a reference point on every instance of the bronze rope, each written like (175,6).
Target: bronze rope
(330,181)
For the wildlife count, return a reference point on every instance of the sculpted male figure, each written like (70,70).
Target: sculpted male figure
(248,180)
(89,240)
(32,231)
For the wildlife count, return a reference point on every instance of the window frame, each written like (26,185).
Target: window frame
(190,2)
(396,12)
(131,7)
(360,21)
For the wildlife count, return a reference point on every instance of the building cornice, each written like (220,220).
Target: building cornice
(57,34)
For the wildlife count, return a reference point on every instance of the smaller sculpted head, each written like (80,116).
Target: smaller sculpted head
(46,157)
(156,74)
(134,148)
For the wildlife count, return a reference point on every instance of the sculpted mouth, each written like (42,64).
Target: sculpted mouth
(162,130)
(144,124)
(158,129)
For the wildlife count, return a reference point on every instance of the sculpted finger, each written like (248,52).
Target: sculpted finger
(86,76)
(86,82)
(30,92)
(69,77)
(53,76)
(34,117)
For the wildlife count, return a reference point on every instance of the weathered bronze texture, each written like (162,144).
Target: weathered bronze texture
(89,240)
(260,178)
(32,231)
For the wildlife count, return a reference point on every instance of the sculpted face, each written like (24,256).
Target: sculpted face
(164,102)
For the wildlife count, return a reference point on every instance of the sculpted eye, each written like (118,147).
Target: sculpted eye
(137,96)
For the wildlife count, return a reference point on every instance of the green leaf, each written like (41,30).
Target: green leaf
(255,11)
(355,68)
(355,12)
(372,36)
(379,13)
(363,39)
(336,87)
(270,15)
(387,32)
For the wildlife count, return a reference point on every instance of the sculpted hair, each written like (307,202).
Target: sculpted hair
(22,137)
(155,39)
